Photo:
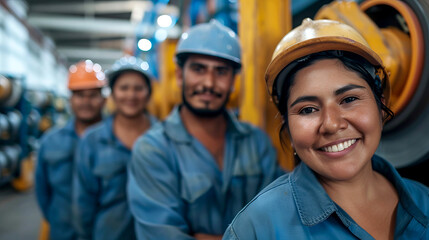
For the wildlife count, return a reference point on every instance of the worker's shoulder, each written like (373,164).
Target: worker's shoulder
(248,130)
(419,193)
(247,127)
(279,191)
(96,131)
(153,136)
(55,134)
(57,143)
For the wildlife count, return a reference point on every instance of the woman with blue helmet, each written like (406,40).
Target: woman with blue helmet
(100,202)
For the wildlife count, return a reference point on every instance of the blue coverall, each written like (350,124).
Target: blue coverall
(53,180)
(176,188)
(99,193)
(296,206)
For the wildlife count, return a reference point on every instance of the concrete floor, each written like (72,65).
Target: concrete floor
(19,215)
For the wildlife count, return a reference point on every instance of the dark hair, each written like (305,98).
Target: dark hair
(183,57)
(350,61)
(115,76)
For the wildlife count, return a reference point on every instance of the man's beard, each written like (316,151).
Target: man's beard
(87,119)
(204,112)
(90,120)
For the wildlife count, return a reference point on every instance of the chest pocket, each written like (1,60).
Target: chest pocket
(246,180)
(53,157)
(198,195)
(194,186)
(59,167)
(111,169)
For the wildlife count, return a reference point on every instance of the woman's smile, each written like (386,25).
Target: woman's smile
(339,147)
(333,118)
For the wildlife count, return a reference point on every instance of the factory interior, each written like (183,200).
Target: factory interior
(42,40)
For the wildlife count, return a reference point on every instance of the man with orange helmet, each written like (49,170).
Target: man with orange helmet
(55,157)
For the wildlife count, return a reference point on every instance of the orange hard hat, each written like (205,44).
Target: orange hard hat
(314,37)
(5,88)
(86,75)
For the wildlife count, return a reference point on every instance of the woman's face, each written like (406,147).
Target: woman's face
(130,94)
(334,122)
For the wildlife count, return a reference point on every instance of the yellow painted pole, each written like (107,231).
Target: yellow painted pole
(165,93)
(25,180)
(44,230)
(262,25)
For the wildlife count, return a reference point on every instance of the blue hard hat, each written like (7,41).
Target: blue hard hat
(212,39)
(129,63)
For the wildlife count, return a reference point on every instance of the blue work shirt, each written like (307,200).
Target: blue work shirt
(100,202)
(53,179)
(176,188)
(296,206)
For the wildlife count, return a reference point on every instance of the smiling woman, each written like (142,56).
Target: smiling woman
(325,115)
(100,203)
(332,91)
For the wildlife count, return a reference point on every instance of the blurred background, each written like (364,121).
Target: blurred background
(41,39)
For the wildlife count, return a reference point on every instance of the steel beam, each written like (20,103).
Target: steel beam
(97,7)
(103,7)
(90,53)
(262,25)
(81,24)
(96,26)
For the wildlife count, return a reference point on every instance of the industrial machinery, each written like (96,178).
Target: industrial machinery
(398,30)
(24,116)
(13,137)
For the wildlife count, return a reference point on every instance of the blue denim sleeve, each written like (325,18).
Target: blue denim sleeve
(153,192)
(42,188)
(230,234)
(85,190)
(269,161)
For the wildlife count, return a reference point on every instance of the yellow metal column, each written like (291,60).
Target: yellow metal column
(262,25)
(166,93)
(44,230)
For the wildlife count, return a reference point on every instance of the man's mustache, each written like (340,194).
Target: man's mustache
(85,107)
(207,90)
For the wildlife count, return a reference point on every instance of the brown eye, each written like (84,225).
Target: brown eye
(307,110)
(349,99)
(123,87)
(197,68)
(222,71)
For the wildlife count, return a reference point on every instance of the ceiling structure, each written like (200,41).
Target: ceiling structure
(103,30)
(100,30)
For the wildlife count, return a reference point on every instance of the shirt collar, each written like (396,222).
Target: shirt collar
(314,205)
(107,124)
(175,129)
(70,127)
(107,135)
(387,170)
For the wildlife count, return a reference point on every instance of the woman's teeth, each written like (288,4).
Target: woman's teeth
(339,147)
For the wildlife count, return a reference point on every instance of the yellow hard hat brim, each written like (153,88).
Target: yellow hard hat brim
(321,44)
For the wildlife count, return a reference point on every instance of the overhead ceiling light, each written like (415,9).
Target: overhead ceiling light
(144,45)
(161,35)
(164,21)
